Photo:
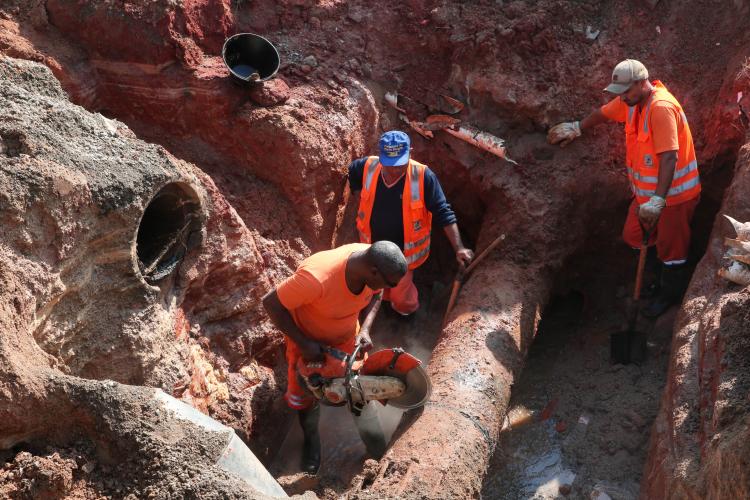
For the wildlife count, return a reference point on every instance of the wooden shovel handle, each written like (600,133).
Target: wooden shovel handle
(484,253)
(639,273)
(454,294)
(641,264)
(463,272)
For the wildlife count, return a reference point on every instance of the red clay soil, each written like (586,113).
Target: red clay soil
(700,445)
(272,165)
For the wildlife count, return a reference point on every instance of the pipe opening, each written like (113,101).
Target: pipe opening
(165,233)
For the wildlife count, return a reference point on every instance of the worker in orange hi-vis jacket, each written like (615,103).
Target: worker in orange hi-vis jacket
(662,169)
(398,198)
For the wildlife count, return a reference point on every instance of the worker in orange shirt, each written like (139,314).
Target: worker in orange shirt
(321,305)
(662,169)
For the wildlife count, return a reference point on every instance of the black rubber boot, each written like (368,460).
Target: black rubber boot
(308,420)
(674,280)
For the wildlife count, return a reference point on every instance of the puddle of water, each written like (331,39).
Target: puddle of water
(535,468)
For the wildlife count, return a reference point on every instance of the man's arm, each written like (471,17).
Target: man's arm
(282,319)
(564,133)
(650,211)
(594,118)
(463,254)
(437,204)
(366,319)
(664,122)
(667,164)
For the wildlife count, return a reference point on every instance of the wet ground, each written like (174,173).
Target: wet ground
(581,423)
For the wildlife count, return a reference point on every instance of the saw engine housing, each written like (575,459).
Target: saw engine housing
(390,376)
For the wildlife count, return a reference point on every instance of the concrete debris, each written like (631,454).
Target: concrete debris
(392,99)
(741,228)
(450,105)
(310,61)
(439,122)
(738,254)
(417,127)
(592,34)
(482,140)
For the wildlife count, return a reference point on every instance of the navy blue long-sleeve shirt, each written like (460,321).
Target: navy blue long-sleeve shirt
(387,222)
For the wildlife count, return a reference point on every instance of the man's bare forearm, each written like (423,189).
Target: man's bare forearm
(451,232)
(367,316)
(282,319)
(594,118)
(667,163)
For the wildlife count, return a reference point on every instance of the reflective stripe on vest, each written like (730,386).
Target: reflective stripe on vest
(673,191)
(642,161)
(422,254)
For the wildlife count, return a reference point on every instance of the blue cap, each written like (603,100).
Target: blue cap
(394,148)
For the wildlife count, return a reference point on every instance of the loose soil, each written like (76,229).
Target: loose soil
(591,417)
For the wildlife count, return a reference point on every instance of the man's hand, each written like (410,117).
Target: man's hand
(464,256)
(311,351)
(365,341)
(649,212)
(564,133)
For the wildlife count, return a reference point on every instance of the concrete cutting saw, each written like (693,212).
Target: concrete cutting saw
(390,376)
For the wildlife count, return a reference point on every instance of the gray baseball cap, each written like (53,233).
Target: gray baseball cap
(625,74)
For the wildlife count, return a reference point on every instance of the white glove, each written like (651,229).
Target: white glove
(651,210)
(564,133)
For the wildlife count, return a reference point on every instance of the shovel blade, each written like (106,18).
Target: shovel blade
(619,348)
(370,430)
(627,347)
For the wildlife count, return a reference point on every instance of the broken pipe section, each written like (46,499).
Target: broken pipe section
(444,451)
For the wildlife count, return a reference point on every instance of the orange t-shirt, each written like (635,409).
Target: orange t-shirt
(318,299)
(665,119)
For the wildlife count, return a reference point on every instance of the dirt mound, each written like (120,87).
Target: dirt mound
(83,202)
(699,440)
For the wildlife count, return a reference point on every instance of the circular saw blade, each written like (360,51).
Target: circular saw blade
(418,388)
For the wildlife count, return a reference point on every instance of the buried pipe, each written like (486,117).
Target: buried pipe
(482,140)
(236,457)
(445,450)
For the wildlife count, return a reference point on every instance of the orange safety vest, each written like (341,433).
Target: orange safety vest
(417,219)
(643,162)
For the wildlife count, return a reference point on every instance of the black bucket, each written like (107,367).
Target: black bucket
(250,58)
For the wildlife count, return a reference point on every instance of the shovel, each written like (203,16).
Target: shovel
(464,271)
(629,346)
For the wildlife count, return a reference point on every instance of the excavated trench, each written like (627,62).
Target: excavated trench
(255,185)
(578,425)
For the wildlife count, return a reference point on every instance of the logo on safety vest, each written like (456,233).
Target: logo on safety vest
(648,160)
(417,225)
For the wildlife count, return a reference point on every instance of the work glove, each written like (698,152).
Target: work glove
(650,211)
(564,133)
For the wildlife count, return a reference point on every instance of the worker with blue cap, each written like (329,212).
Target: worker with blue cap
(398,197)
